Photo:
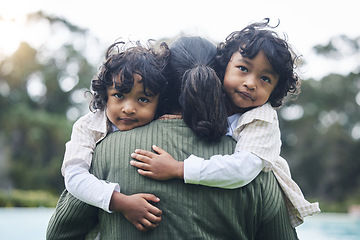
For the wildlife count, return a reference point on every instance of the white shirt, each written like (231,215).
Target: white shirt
(87,132)
(258,149)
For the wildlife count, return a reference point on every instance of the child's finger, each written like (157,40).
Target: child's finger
(158,149)
(148,224)
(140,165)
(154,219)
(145,153)
(156,214)
(140,227)
(140,157)
(144,173)
(151,197)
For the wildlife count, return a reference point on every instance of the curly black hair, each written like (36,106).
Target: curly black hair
(254,38)
(121,62)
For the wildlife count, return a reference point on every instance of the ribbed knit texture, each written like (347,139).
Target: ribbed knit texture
(189,211)
(72,219)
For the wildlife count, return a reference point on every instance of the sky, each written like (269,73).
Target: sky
(306,22)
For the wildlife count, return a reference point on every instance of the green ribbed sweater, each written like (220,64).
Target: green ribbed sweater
(256,211)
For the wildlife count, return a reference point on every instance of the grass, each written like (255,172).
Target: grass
(27,198)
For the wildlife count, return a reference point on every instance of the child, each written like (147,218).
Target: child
(257,68)
(126,94)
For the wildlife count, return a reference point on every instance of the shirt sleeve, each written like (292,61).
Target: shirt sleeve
(227,171)
(82,142)
(86,187)
(261,138)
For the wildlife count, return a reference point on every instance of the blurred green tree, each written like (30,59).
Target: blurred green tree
(41,92)
(321,129)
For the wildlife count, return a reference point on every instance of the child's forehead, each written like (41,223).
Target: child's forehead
(130,78)
(137,84)
(243,56)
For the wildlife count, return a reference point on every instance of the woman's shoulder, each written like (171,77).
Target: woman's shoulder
(272,197)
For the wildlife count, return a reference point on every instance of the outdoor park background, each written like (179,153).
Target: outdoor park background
(42,86)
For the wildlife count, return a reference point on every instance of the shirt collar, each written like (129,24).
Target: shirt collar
(232,123)
(100,122)
(264,113)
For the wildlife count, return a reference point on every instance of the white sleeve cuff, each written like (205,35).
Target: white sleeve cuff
(108,192)
(227,171)
(192,169)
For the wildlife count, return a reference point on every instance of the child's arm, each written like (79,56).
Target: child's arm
(228,171)
(258,145)
(77,160)
(86,187)
(89,189)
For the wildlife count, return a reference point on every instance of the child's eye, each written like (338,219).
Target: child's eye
(243,69)
(118,95)
(144,100)
(266,79)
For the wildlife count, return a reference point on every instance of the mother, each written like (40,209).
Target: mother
(256,211)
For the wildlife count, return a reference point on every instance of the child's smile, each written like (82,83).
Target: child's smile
(249,83)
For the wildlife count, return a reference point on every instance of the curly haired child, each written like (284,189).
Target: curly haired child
(127,93)
(257,68)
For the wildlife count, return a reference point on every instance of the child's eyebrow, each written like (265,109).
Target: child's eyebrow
(271,72)
(112,88)
(148,93)
(243,60)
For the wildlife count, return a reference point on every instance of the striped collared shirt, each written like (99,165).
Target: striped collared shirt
(258,131)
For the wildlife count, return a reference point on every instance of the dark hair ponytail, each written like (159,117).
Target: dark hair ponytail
(202,102)
(201,97)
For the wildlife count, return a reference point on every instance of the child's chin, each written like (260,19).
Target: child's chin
(126,128)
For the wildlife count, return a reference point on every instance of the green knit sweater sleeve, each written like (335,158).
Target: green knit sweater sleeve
(275,219)
(72,219)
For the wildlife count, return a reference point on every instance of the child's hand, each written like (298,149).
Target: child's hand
(137,209)
(161,166)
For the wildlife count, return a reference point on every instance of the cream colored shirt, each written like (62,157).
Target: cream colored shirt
(256,131)
(86,133)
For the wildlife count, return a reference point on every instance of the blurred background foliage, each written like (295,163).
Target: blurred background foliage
(42,93)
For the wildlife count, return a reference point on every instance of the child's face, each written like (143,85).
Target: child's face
(249,83)
(129,110)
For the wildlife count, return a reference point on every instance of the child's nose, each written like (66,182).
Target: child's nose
(250,82)
(128,107)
